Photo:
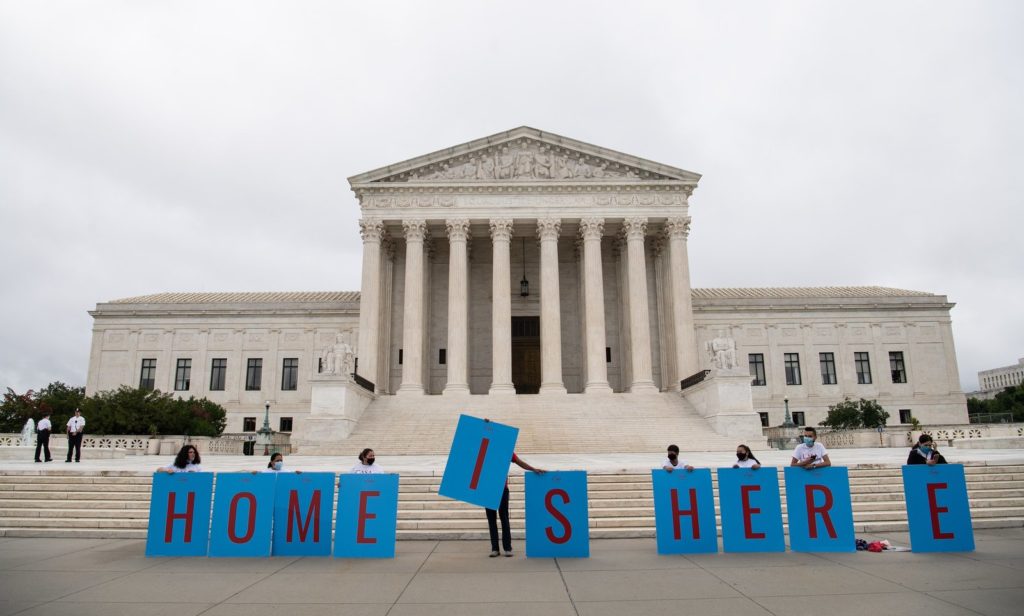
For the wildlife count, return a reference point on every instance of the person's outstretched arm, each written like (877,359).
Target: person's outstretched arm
(526,466)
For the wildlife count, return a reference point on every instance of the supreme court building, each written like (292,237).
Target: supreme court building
(531,276)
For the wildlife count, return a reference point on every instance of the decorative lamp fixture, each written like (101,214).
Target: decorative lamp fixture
(524,284)
(263,435)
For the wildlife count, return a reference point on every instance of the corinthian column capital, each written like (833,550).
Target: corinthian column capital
(678,227)
(501,229)
(592,228)
(458,229)
(415,230)
(371,229)
(634,228)
(548,228)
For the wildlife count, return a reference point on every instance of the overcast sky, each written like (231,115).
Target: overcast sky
(177,146)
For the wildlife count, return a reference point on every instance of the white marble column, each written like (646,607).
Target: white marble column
(371,230)
(412,311)
(639,315)
(501,308)
(591,229)
(678,229)
(458,307)
(550,307)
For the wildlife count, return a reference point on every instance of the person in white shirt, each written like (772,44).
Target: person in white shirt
(276,464)
(367,463)
(76,426)
(43,437)
(745,458)
(810,453)
(187,461)
(672,462)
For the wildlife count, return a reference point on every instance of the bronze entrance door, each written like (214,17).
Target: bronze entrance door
(526,354)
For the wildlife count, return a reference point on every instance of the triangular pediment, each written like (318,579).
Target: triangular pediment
(523,155)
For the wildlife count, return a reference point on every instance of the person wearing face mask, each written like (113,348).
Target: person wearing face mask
(745,458)
(672,462)
(276,464)
(810,453)
(924,452)
(367,463)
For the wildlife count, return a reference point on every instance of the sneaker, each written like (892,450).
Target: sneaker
(494,553)
(508,554)
(67,461)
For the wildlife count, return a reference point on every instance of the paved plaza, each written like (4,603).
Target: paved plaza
(83,577)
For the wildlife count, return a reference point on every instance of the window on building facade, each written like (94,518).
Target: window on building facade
(897,367)
(400,358)
(792,361)
(905,416)
(756,363)
(798,418)
(218,372)
(147,378)
(764,419)
(183,375)
(442,356)
(828,368)
(248,424)
(286,424)
(253,374)
(290,374)
(607,355)
(863,364)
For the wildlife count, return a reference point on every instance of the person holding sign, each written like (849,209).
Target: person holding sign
(924,452)
(276,464)
(187,461)
(672,462)
(810,453)
(745,458)
(502,512)
(366,464)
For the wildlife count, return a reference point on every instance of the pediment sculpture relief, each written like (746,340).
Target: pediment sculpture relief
(527,161)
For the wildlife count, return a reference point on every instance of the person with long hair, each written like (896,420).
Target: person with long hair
(187,461)
(745,458)
(367,463)
(924,452)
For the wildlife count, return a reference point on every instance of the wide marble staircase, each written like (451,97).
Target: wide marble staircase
(577,423)
(115,504)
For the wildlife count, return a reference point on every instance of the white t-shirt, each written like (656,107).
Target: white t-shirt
(363,469)
(748,463)
(76,424)
(189,468)
(816,451)
(679,465)
(44,424)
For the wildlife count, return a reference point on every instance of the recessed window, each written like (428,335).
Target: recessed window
(896,367)
(218,371)
(183,375)
(607,355)
(147,378)
(798,418)
(863,365)
(905,416)
(290,374)
(828,368)
(248,424)
(400,358)
(253,374)
(792,362)
(756,363)
(442,356)
(286,424)
(764,419)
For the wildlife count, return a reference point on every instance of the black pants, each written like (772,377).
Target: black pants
(43,442)
(492,524)
(75,443)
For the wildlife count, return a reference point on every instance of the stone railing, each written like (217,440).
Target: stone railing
(225,444)
(131,443)
(895,436)
(949,433)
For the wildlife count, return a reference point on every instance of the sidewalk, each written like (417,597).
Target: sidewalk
(84,577)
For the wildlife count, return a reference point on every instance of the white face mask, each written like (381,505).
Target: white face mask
(278,465)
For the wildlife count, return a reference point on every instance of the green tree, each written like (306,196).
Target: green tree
(16,409)
(872,413)
(850,415)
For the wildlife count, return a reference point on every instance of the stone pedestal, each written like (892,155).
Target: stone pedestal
(724,399)
(335,408)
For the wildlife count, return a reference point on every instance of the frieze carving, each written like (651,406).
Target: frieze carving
(474,199)
(501,229)
(548,228)
(524,160)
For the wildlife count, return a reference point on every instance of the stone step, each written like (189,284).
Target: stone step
(76,495)
(142,505)
(90,522)
(57,512)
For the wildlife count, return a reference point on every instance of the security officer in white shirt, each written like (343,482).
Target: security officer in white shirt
(76,426)
(43,437)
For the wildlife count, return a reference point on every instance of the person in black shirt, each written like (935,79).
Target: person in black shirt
(924,452)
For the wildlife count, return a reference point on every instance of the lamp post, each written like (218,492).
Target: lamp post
(263,434)
(787,421)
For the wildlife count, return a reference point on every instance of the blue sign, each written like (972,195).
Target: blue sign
(751,510)
(477,466)
(556,515)
(937,508)
(684,511)
(303,509)
(820,510)
(243,512)
(179,514)
(367,516)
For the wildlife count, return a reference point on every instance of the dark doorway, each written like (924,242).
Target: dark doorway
(526,354)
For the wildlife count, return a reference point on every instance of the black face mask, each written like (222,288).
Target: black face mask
(369,461)
(741,456)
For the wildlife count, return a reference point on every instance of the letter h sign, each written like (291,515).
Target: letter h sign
(179,514)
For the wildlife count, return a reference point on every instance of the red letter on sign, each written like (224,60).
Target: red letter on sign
(187,516)
(364,516)
(233,512)
(312,516)
(936,510)
(812,521)
(479,463)
(558,516)
(678,513)
(749,511)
